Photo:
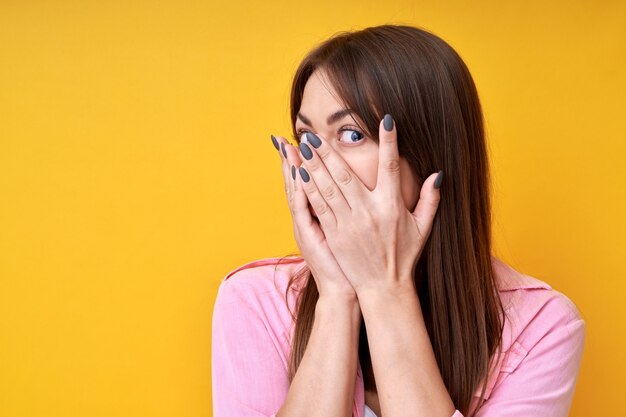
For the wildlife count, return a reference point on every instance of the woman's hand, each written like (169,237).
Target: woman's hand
(375,239)
(328,276)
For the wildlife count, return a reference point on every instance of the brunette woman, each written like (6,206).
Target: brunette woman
(395,305)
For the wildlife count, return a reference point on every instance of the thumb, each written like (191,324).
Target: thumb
(428,203)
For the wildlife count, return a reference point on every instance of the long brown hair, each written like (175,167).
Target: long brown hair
(423,83)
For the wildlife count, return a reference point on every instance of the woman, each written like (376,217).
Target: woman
(400,309)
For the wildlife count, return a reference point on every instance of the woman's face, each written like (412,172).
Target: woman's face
(359,151)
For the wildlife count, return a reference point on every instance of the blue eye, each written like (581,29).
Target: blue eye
(351,135)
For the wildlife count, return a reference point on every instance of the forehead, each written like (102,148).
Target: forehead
(319,96)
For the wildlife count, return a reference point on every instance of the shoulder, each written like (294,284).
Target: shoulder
(261,277)
(259,288)
(251,338)
(532,306)
(526,297)
(539,321)
(542,343)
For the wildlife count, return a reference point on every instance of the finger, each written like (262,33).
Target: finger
(388,159)
(293,162)
(289,157)
(325,183)
(275,143)
(428,203)
(325,214)
(304,223)
(336,171)
(281,144)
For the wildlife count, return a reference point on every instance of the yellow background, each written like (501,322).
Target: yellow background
(136,169)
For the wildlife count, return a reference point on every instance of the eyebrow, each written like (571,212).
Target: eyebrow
(333,118)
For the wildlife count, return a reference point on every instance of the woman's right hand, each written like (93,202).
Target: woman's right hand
(308,234)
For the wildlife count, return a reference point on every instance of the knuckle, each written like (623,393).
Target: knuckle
(395,206)
(323,152)
(312,164)
(329,192)
(392,216)
(344,177)
(321,208)
(389,218)
(392,165)
(389,138)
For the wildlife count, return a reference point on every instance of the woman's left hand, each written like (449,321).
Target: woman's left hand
(375,239)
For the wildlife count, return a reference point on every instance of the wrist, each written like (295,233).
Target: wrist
(343,297)
(384,297)
(398,289)
(335,304)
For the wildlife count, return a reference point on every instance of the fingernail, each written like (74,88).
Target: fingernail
(282,148)
(313,139)
(439,179)
(306,151)
(388,123)
(304,174)
(274,141)
(293,172)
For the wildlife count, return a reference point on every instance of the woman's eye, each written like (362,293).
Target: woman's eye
(351,136)
(346,135)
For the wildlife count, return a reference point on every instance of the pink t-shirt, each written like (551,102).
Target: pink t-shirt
(543,342)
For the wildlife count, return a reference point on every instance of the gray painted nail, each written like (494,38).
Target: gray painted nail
(304,174)
(313,139)
(306,151)
(282,148)
(388,123)
(275,142)
(439,179)
(293,172)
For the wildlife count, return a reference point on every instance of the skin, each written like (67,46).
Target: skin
(319,101)
(362,250)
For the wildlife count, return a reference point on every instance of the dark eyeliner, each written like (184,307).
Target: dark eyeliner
(301,131)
